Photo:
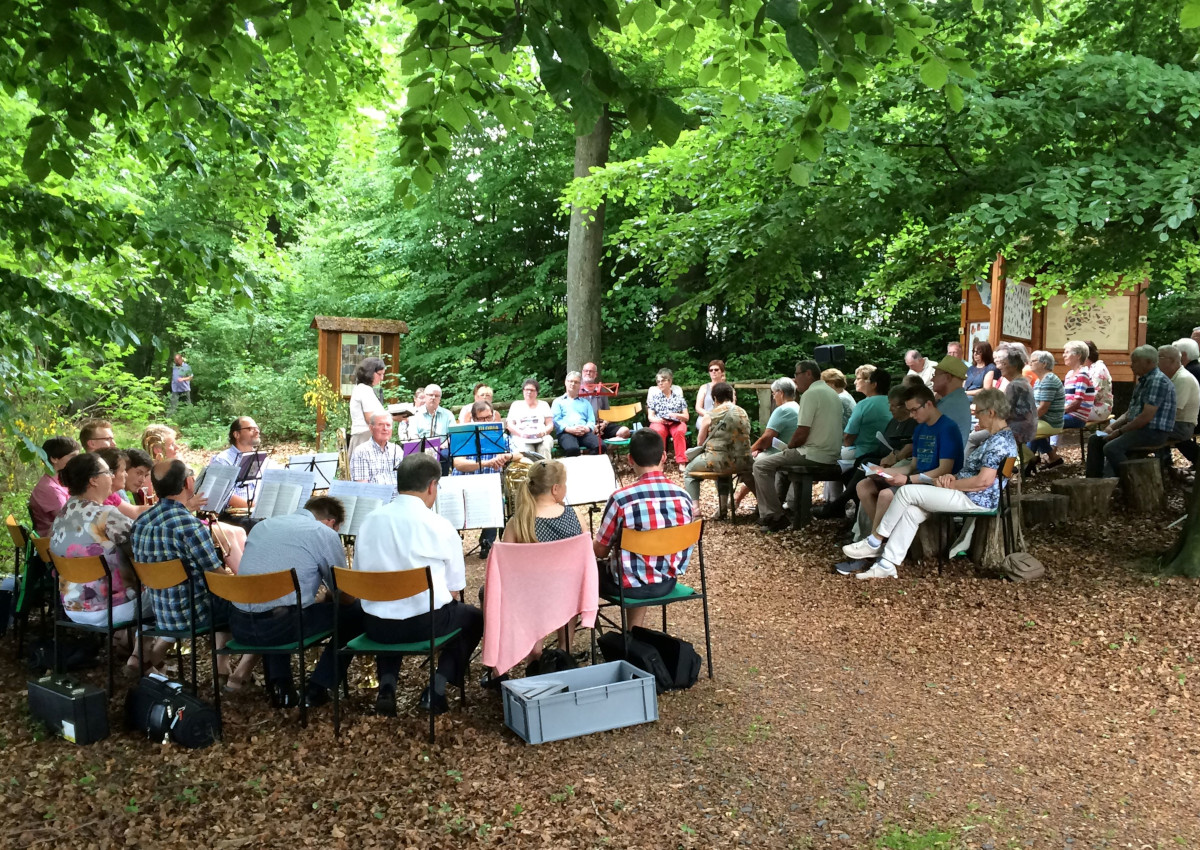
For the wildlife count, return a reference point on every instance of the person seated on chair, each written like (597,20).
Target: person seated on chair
(1102,381)
(406,535)
(836,379)
(96,434)
(574,420)
(432,420)
(50,494)
(953,401)
(727,448)
(1187,402)
(1079,395)
(668,413)
(530,422)
(482,392)
(604,430)
(1022,409)
(936,450)
(244,438)
(920,366)
(816,442)
(1050,396)
(308,542)
(86,527)
(169,531)
(975,489)
(541,515)
(651,502)
(704,399)
(780,426)
(364,401)
(870,417)
(375,461)
(954,349)
(1149,421)
(1189,354)
(481,411)
(118,461)
(985,374)
(159,441)
(137,476)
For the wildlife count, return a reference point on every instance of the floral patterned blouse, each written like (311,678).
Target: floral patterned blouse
(1102,380)
(83,529)
(666,406)
(728,444)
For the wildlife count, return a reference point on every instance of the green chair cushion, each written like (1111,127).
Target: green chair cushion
(617,443)
(677,594)
(237,646)
(362,643)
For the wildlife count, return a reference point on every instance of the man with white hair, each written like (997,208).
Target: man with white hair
(1149,421)
(1196,335)
(1189,352)
(432,420)
(375,461)
(919,366)
(1187,401)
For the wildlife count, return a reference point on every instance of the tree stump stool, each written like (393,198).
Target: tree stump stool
(1045,508)
(934,537)
(1087,497)
(724,490)
(802,480)
(1142,485)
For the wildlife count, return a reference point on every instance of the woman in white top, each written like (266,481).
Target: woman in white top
(364,401)
(530,425)
(482,393)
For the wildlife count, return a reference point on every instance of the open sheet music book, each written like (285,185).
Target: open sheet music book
(590,479)
(471,501)
(359,499)
(282,491)
(216,485)
(432,446)
(324,464)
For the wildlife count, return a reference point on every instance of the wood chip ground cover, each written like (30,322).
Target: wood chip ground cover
(948,711)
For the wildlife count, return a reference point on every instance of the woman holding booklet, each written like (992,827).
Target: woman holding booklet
(975,489)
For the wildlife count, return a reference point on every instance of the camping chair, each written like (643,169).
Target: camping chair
(656,543)
(618,415)
(163,575)
(1003,508)
(388,587)
(257,589)
(85,571)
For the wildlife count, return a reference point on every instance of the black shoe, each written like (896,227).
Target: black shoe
(385,702)
(781,523)
(282,695)
(830,510)
(438,701)
(491,682)
(315,696)
(485,546)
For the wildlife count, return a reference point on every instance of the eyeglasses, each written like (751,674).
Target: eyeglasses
(913,409)
(715,369)
(104,472)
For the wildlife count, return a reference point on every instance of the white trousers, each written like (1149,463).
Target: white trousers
(911,506)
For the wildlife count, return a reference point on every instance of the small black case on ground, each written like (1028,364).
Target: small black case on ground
(614,646)
(162,710)
(680,657)
(77,712)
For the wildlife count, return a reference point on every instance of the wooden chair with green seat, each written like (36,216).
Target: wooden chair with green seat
(388,587)
(618,415)
(85,571)
(258,589)
(163,575)
(656,544)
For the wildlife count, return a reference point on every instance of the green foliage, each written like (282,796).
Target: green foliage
(105,388)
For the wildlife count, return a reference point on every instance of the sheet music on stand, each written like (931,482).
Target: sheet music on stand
(471,501)
(430,445)
(249,468)
(216,485)
(324,464)
(283,491)
(359,499)
(590,479)
(477,439)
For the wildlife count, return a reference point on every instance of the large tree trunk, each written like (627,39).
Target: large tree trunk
(584,244)
(1184,557)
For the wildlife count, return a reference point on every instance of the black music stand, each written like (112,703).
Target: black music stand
(474,440)
(250,469)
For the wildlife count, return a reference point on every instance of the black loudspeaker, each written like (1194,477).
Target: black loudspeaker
(829,354)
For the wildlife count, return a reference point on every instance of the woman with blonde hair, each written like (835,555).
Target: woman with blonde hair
(158,441)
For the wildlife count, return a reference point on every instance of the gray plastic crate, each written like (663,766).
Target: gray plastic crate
(578,702)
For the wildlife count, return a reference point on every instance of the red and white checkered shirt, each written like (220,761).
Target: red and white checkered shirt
(652,502)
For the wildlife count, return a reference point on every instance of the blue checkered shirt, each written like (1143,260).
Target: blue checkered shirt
(376,464)
(652,502)
(165,532)
(1154,388)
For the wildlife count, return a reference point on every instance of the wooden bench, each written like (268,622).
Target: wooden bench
(802,481)
(725,482)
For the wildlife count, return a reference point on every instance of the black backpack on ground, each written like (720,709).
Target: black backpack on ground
(77,653)
(673,662)
(552,661)
(162,710)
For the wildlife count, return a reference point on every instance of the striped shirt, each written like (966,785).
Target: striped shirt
(1079,388)
(1050,388)
(652,502)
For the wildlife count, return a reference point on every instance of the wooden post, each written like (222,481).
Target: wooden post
(1142,485)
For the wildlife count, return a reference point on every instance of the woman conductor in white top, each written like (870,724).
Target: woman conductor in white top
(364,401)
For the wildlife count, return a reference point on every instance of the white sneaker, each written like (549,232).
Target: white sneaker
(862,549)
(880,570)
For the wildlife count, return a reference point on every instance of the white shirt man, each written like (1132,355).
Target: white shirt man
(1187,400)
(244,437)
(408,535)
(919,366)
